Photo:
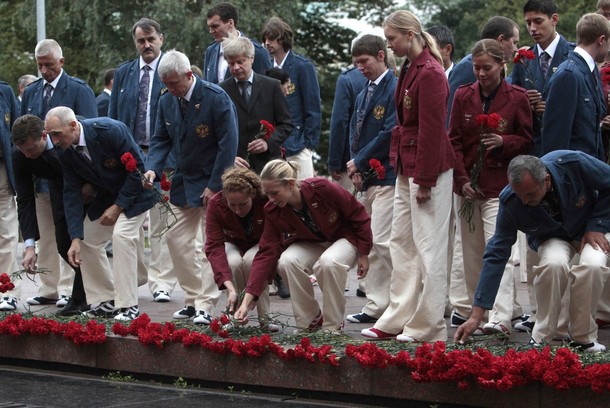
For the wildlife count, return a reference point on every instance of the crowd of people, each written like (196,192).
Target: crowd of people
(443,177)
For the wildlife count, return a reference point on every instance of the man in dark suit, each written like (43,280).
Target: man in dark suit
(198,121)
(551,50)
(34,156)
(264,100)
(93,149)
(134,101)
(303,98)
(9,233)
(56,88)
(222,21)
(576,125)
(103,99)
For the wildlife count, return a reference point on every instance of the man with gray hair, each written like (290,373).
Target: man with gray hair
(197,119)
(562,202)
(23,82)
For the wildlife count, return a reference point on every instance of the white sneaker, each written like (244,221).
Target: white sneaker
(594,347)
(202,317)
(62,301)
(8,304)
(128,314)
(161,296)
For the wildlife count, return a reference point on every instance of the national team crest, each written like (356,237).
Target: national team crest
(202,130)
(378,112)
(332,218)
(581,200)
(291,88)
(407,100)
(502,125)
(111,163)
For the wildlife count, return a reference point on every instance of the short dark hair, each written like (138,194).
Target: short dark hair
(279,74)
(109,76)
(226,12)
(277,29)
(370,44)
(147,25)
(443,36)
(26,127)
(547,7)
(498,25)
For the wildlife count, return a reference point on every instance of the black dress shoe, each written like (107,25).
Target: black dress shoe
(74,308)
(282,288)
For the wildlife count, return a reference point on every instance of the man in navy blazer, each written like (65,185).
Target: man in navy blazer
(74,93)
(576,125)
(222,22)
(562,202)
(103,99)
(9,233)
(541,19)
(303,98)
(34,156)
(349,85)
(93,153)
(198,122)
(266,101)
(125,106)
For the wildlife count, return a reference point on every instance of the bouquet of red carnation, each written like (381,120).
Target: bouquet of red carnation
(523,57)
(487,123)
(131,165)
(5,283)
(265,132)
(376,170)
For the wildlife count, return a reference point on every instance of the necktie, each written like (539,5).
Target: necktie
(222,66)
(83,155)
(369,93)
(184,104)
(46,97)
(243,88)
(140,129)
(544,62)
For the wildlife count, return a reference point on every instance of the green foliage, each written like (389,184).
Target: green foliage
(118,377)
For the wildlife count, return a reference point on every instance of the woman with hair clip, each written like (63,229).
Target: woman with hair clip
(312,226)
(421,154)
(235,219)
(483,150)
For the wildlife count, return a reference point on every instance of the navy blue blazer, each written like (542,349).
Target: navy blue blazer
(267,102)
(204,142)
(304,103)
(349,85)
(575,107)
(583,185)
(9,111)
(262,61)
(461,74)
(376,132)
(71,92)
(102,101)
(107,140)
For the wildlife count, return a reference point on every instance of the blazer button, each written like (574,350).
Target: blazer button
(412,142)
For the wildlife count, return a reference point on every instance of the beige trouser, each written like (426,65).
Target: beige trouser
(192,268)
(161,275)
(305,160)
(95,266)
(58,281)
(240,268)
(378,202)
(473,247)
(419,255)
(9,231)
(330,263)
(583,283)
(458,295)
(128,267)
(603,308)
(345,182)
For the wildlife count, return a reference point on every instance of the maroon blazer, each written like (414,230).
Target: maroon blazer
(222,225)
(512,105)
(334,210)
(420,145)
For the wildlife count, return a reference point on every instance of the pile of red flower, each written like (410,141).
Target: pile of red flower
(5,283)
(560,369)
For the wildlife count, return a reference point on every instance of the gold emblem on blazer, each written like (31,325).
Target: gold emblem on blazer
(111,163)
(202,130)
(332,218)
(7,118)
(291,88)
(581,200)
(163,90)
(407,100)
(502,125)
(378,112)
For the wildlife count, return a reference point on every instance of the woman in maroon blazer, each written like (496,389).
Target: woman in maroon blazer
(235,219)
(423,159)
(312,226)
(509,135)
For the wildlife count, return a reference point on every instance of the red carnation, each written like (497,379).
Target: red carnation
(523,55)
(493,120)
(267,128)
(165,184)
(129,162)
